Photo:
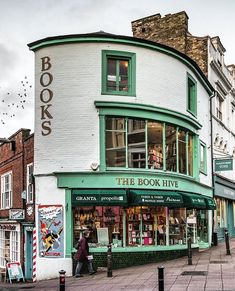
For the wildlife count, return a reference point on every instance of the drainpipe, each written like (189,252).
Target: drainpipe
(212,159)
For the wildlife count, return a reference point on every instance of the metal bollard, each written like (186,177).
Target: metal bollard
(227,241)
(62,280)
(109,261)
(161,278)
(190,251)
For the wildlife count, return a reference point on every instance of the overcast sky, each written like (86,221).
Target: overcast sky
(25,21)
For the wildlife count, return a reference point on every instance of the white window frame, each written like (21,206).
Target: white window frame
(13,244)
(6,202)
(29,190)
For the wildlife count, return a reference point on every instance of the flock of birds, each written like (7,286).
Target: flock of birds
(12,103)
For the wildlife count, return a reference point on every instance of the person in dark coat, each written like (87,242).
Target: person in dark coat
(82,255)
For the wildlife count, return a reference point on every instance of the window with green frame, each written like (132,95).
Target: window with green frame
(118,73)
(148,144)
(191,95)
(203,158)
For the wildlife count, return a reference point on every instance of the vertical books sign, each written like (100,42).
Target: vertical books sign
(51,231)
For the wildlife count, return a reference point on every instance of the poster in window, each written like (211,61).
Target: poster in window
(103,235)
(51,231)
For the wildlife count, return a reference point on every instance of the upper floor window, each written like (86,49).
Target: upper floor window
(148,144)
(29,183)
(118,73)
(6,191)
(203,158)
(219,108)
(191,95)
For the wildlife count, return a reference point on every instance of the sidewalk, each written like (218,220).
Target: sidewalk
(212,270)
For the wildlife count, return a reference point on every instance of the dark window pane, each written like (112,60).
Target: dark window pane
(136,143)
(113,123)
(182,151)
(170,148)
(123,75)
(190,155)
(155,157)
(116,158)
(111,78)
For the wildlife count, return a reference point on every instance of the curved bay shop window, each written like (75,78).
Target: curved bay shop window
(139,143)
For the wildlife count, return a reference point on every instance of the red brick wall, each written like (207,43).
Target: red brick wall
(16,162)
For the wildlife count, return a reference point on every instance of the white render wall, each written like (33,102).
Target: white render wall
(225,130)
(49,194)
(76,68)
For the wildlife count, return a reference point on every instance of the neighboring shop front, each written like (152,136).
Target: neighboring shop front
(224,215)
(10,241)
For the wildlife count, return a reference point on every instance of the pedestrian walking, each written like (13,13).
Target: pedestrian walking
(82,255)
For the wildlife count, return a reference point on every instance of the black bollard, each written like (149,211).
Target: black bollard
(190,251)
(161,278)
(109,261)
(62,280)
(227,241)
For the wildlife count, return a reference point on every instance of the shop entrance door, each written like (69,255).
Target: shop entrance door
(28,252)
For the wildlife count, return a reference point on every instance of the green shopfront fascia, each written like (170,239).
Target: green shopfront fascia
(134,217)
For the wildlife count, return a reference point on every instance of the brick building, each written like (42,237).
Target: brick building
(117,150)
(208,52)
(17,201)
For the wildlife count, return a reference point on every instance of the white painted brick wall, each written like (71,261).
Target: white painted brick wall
(76,68)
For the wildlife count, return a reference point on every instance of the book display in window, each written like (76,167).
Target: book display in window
(147,229)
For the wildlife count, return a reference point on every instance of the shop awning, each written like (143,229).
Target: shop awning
(193,201)
(210,203)
(112,197)
(155,198)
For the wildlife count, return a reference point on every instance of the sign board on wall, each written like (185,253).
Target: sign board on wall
(223,165)
(17,214)
(50,231)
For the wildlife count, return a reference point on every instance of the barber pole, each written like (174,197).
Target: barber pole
(34,254)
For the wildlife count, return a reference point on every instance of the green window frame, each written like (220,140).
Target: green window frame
(203,158)
(122,79)
(121,146)
(191,95)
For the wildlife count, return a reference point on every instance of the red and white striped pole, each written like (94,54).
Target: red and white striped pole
(34,253)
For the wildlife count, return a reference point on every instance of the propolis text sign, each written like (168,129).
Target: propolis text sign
(223,165)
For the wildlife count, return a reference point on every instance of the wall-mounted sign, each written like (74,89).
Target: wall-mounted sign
(17,214)
(8,226)
(50,228)
(223,165)
(23,194)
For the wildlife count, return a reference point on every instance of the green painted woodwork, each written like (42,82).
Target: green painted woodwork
(191,95)
(193,201)
(128,41)
(203,166)
(210,203)
(155,198)
(68,223)
(147,112)
(151,113)
(102,148)
(132,180)
(196,156)
(118,56)
(102,197)
(187,152)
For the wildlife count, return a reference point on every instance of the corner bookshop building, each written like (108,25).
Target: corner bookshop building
(122,148)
